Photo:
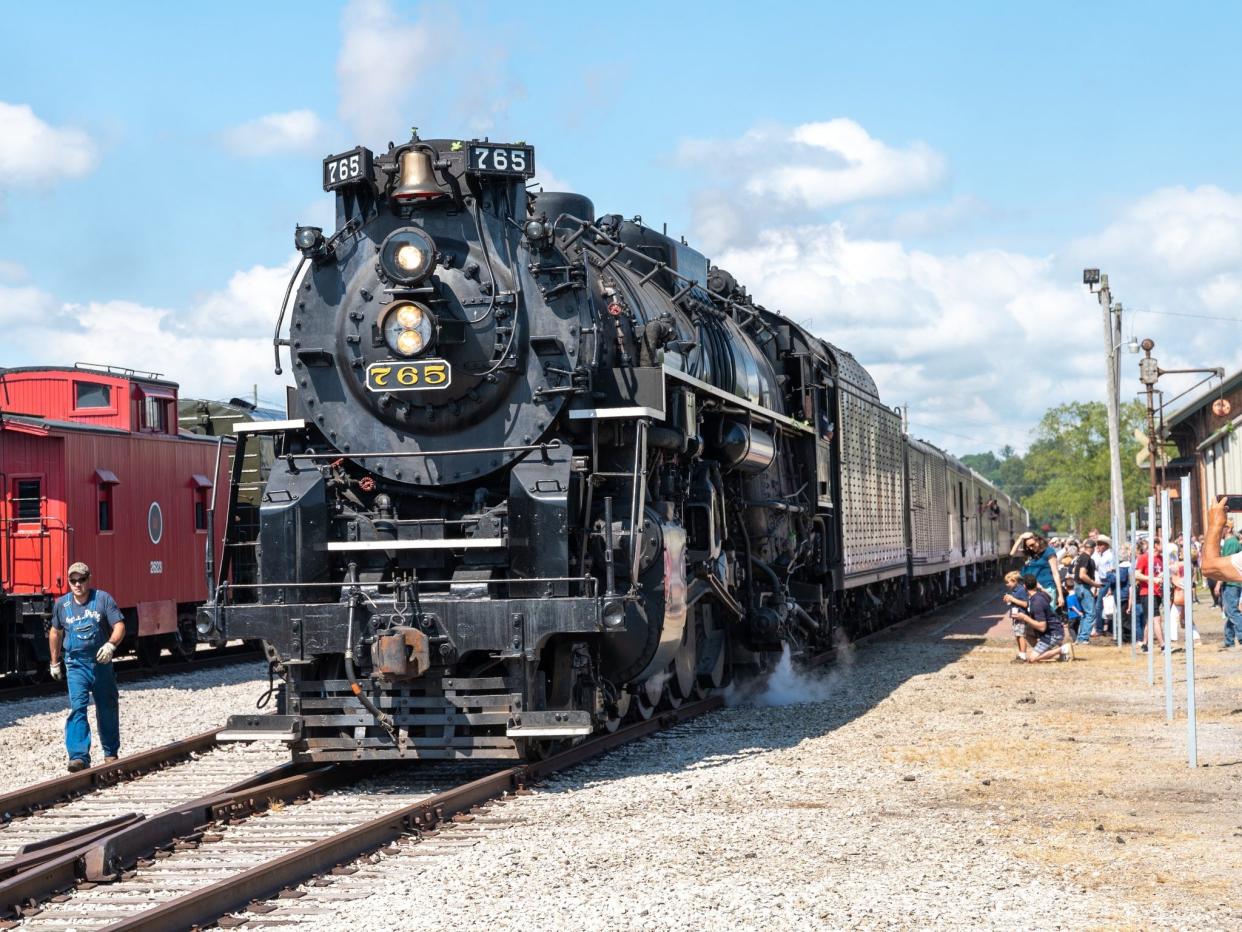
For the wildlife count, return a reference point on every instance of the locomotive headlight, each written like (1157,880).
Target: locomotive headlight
(408,328)
(408,255)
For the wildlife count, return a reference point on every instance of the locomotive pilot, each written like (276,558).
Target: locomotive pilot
(87,622)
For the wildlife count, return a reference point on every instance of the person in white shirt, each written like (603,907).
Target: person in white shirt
(1104,563)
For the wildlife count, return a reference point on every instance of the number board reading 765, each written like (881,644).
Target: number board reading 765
(488,159)
(422,375)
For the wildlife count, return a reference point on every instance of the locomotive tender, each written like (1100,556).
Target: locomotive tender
(546,470)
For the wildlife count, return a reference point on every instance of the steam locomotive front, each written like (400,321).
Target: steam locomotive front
(498,518)
(409,336)
(414,537)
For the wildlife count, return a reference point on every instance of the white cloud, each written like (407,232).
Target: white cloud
(775,174)
(218,346)
(818,165)
(979,343)
(961,212)
(295,131)
(548,180)
(976,344)
(1180,232)
(391,74)
(35,153)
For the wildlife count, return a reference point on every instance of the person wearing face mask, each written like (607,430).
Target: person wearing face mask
(89,627)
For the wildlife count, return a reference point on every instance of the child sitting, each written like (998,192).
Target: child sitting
(1016,599)
(1040,615)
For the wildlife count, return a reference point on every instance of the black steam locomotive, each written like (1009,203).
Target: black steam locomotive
(546,470)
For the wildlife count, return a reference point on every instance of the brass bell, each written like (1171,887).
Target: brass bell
(416,180)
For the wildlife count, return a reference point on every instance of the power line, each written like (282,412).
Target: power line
(950,433)
(1236,320)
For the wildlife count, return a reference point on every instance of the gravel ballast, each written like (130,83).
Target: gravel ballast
(922,789)
(923,782)
(154,711)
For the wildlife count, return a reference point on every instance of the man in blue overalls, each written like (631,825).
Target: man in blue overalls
(90,626)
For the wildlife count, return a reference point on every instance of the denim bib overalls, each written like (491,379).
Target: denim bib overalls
(85,633)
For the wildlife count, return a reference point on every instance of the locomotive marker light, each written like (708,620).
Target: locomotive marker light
(408,255)
(309,241)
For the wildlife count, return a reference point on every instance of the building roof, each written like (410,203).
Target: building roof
(1201,400)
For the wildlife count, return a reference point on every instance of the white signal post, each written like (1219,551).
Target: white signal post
(1133,585)
(1168,606)
(1188,629)
(1151,590)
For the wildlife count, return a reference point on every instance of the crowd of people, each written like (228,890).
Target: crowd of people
(1070,590)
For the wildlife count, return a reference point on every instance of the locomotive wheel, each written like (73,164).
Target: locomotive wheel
(681,684)
(641,707)
(674,694)
(618,712)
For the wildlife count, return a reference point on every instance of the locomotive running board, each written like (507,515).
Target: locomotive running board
(549,725)
(286,728)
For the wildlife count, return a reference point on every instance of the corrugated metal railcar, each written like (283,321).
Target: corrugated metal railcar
(872,481)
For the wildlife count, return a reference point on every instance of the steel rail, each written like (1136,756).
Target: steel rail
(98,853)
(50,792)
(209,903)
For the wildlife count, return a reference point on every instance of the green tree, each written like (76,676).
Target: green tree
(1067,465)
(985,464)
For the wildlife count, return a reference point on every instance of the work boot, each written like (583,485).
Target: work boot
(111,759)
(75,765)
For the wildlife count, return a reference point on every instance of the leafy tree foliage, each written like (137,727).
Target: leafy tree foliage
(1063,479)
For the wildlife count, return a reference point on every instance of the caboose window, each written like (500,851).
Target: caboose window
(155,415)
(105,508)
(202,495)
(92,395)
(28,499)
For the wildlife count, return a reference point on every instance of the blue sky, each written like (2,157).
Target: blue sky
(922,185)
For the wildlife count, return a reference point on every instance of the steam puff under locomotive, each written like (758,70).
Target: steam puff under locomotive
(546,471)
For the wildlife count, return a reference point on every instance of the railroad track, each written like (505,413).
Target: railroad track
(131,669)
(193,851)
(203,858)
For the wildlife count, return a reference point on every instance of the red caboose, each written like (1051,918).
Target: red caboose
(94,468)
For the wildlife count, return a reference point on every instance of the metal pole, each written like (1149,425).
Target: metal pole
(1119,492)
(1133,584)
(1151,589)
(1188,581)
(1116,505)
(1148,378)
(1118,527)
(1168,608)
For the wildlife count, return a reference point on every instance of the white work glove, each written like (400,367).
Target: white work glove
(57,671)
(104,654)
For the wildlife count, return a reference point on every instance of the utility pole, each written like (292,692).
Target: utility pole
(1112,345)
(1149,373)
